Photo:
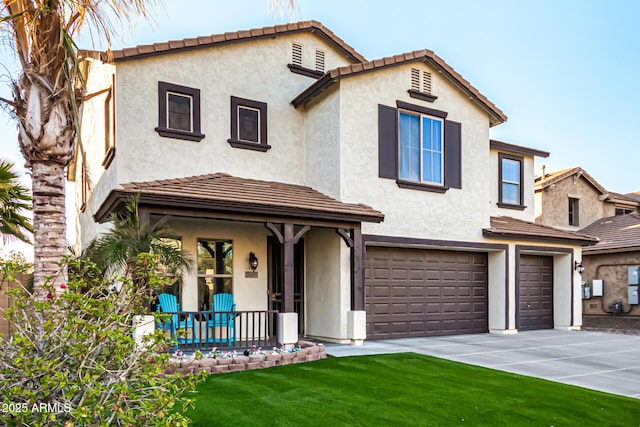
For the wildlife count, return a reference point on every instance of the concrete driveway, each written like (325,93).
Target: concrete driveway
(596,360)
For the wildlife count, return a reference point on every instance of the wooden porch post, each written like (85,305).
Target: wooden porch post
(288,238)
(357,270)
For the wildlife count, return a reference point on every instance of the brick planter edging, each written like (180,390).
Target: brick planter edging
(308,352)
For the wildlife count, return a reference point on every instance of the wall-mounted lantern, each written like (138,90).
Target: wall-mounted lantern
(577,265)
(253,261)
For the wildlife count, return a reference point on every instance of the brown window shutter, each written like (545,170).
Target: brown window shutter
(452,154)
(387,142)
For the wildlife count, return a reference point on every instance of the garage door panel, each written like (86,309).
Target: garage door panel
(429,293)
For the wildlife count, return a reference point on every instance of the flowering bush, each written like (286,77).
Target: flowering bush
(75,354)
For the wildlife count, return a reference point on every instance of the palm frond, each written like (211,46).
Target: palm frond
(14,200)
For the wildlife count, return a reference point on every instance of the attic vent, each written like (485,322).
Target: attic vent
(426,82)
(320,60)
(415,79)
(296,53)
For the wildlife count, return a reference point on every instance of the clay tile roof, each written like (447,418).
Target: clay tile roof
(623,198)
(616,233)
(552,178)
(222,192)
(635,196)
(515,229)
(419,55)
(236,36)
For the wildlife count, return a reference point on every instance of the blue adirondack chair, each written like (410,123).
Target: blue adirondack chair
(168,303)
(224,317)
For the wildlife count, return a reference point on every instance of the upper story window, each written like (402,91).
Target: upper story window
(623,211)
(248,124)
(574,211)
(510,191)
(179,112)
(421,148)
(109,125)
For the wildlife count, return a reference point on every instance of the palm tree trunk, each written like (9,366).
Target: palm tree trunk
(49,223)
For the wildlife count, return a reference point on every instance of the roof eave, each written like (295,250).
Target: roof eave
(117,199)
(496,234)
(594,250)
(517,149)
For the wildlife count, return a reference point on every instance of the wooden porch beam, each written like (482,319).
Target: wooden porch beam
(346,236)
(274,230)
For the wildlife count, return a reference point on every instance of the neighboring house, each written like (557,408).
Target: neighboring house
(571,199)
(615,260)
(369,191)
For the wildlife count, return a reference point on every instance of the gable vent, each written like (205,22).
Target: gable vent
(296,53)
(426,82)
(415,79)
(320,60)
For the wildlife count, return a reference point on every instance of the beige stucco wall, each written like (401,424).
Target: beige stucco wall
(92,146)
(249,293)
(256,71)
(613,270)
(328,285)
(555,204)
(322,143)
(527,214)
(459,214)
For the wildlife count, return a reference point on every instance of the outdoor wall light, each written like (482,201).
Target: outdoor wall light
(253,261)
(577,265)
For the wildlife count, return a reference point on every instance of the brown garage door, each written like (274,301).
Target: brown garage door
(536,292)
(417,293)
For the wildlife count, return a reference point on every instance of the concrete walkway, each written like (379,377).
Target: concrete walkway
(595,360)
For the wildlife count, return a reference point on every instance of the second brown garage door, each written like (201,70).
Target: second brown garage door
(417,293)
(535,293)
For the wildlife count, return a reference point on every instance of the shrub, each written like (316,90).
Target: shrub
(73,359)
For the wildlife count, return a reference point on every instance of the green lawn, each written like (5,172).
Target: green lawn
(401,390)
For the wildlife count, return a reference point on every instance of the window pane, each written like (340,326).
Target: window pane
(215,257)
(432,167)
(179,114)
(431,134)
(510,193)
(215,268)
(431,150)
(409,147)
(511,170)
(248,124)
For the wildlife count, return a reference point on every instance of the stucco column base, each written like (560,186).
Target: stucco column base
(143,325)
(288,329)
(503,331)
(357,326)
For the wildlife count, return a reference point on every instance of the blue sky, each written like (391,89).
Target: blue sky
(563,71)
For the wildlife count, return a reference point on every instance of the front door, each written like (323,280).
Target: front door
(275,260)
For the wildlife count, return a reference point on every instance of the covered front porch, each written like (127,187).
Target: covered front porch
(289,256)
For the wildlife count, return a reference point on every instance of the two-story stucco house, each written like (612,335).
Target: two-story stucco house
(572,199)
(369,191)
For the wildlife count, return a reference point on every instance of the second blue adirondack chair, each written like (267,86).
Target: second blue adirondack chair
(168,303)
(224,317)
